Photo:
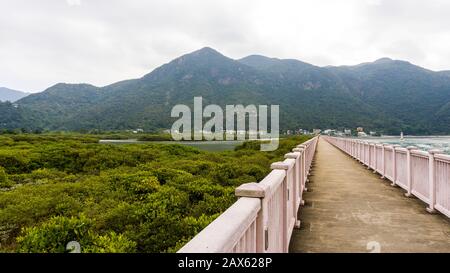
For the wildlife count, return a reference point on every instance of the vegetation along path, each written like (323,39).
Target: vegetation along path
(351,209)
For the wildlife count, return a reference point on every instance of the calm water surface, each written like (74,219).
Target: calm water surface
(212,146)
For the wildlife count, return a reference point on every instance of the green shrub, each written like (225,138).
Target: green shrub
(4,181)
(141,182)
(54,235)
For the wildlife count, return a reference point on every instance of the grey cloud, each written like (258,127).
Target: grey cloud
(103,41)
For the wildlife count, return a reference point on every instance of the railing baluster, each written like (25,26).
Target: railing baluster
(431,179)
(409,171)
(383,161)
(394,164)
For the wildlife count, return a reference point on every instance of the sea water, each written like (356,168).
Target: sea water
(422,142)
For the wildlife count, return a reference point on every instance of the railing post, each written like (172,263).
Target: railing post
(366,154)
(255,190)
(408,170)
(285,167)
(375,151)
(432,180)
(369,155)
(394,164)
(383,161)
(363,154)
(348,147)
(361,144)
(357,149)
(296,185)
(352,144)
(302,171)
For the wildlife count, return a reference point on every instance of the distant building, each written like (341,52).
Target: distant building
(360,129)
(302,132)
(348,132)
(362,134)
(329,132)
(316,131)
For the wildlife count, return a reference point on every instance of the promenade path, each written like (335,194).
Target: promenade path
(350,209)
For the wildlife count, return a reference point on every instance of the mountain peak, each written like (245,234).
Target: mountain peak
(257,56)
(203,54)
(206,51)
(205,59)
(258,61)
(384,60)
(64,84)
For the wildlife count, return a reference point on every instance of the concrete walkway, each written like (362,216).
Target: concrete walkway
(351,209)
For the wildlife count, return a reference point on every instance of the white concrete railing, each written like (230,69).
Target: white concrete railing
(423,174)
(264,216)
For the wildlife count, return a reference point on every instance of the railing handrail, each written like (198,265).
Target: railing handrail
(271,182)
(443,157)
(220,235)
(252,223)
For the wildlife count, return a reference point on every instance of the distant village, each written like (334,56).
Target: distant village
(359,132)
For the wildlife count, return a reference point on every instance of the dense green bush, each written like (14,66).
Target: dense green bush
(148,197)
(54,235)
(4,181)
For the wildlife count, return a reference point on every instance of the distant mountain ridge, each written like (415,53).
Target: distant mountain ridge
(11,95)
(386,95)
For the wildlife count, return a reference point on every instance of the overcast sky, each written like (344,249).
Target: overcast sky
(43,42)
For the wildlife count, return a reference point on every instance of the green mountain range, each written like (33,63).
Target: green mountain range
(387,95)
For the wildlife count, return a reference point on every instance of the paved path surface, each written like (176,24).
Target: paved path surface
(349,207)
